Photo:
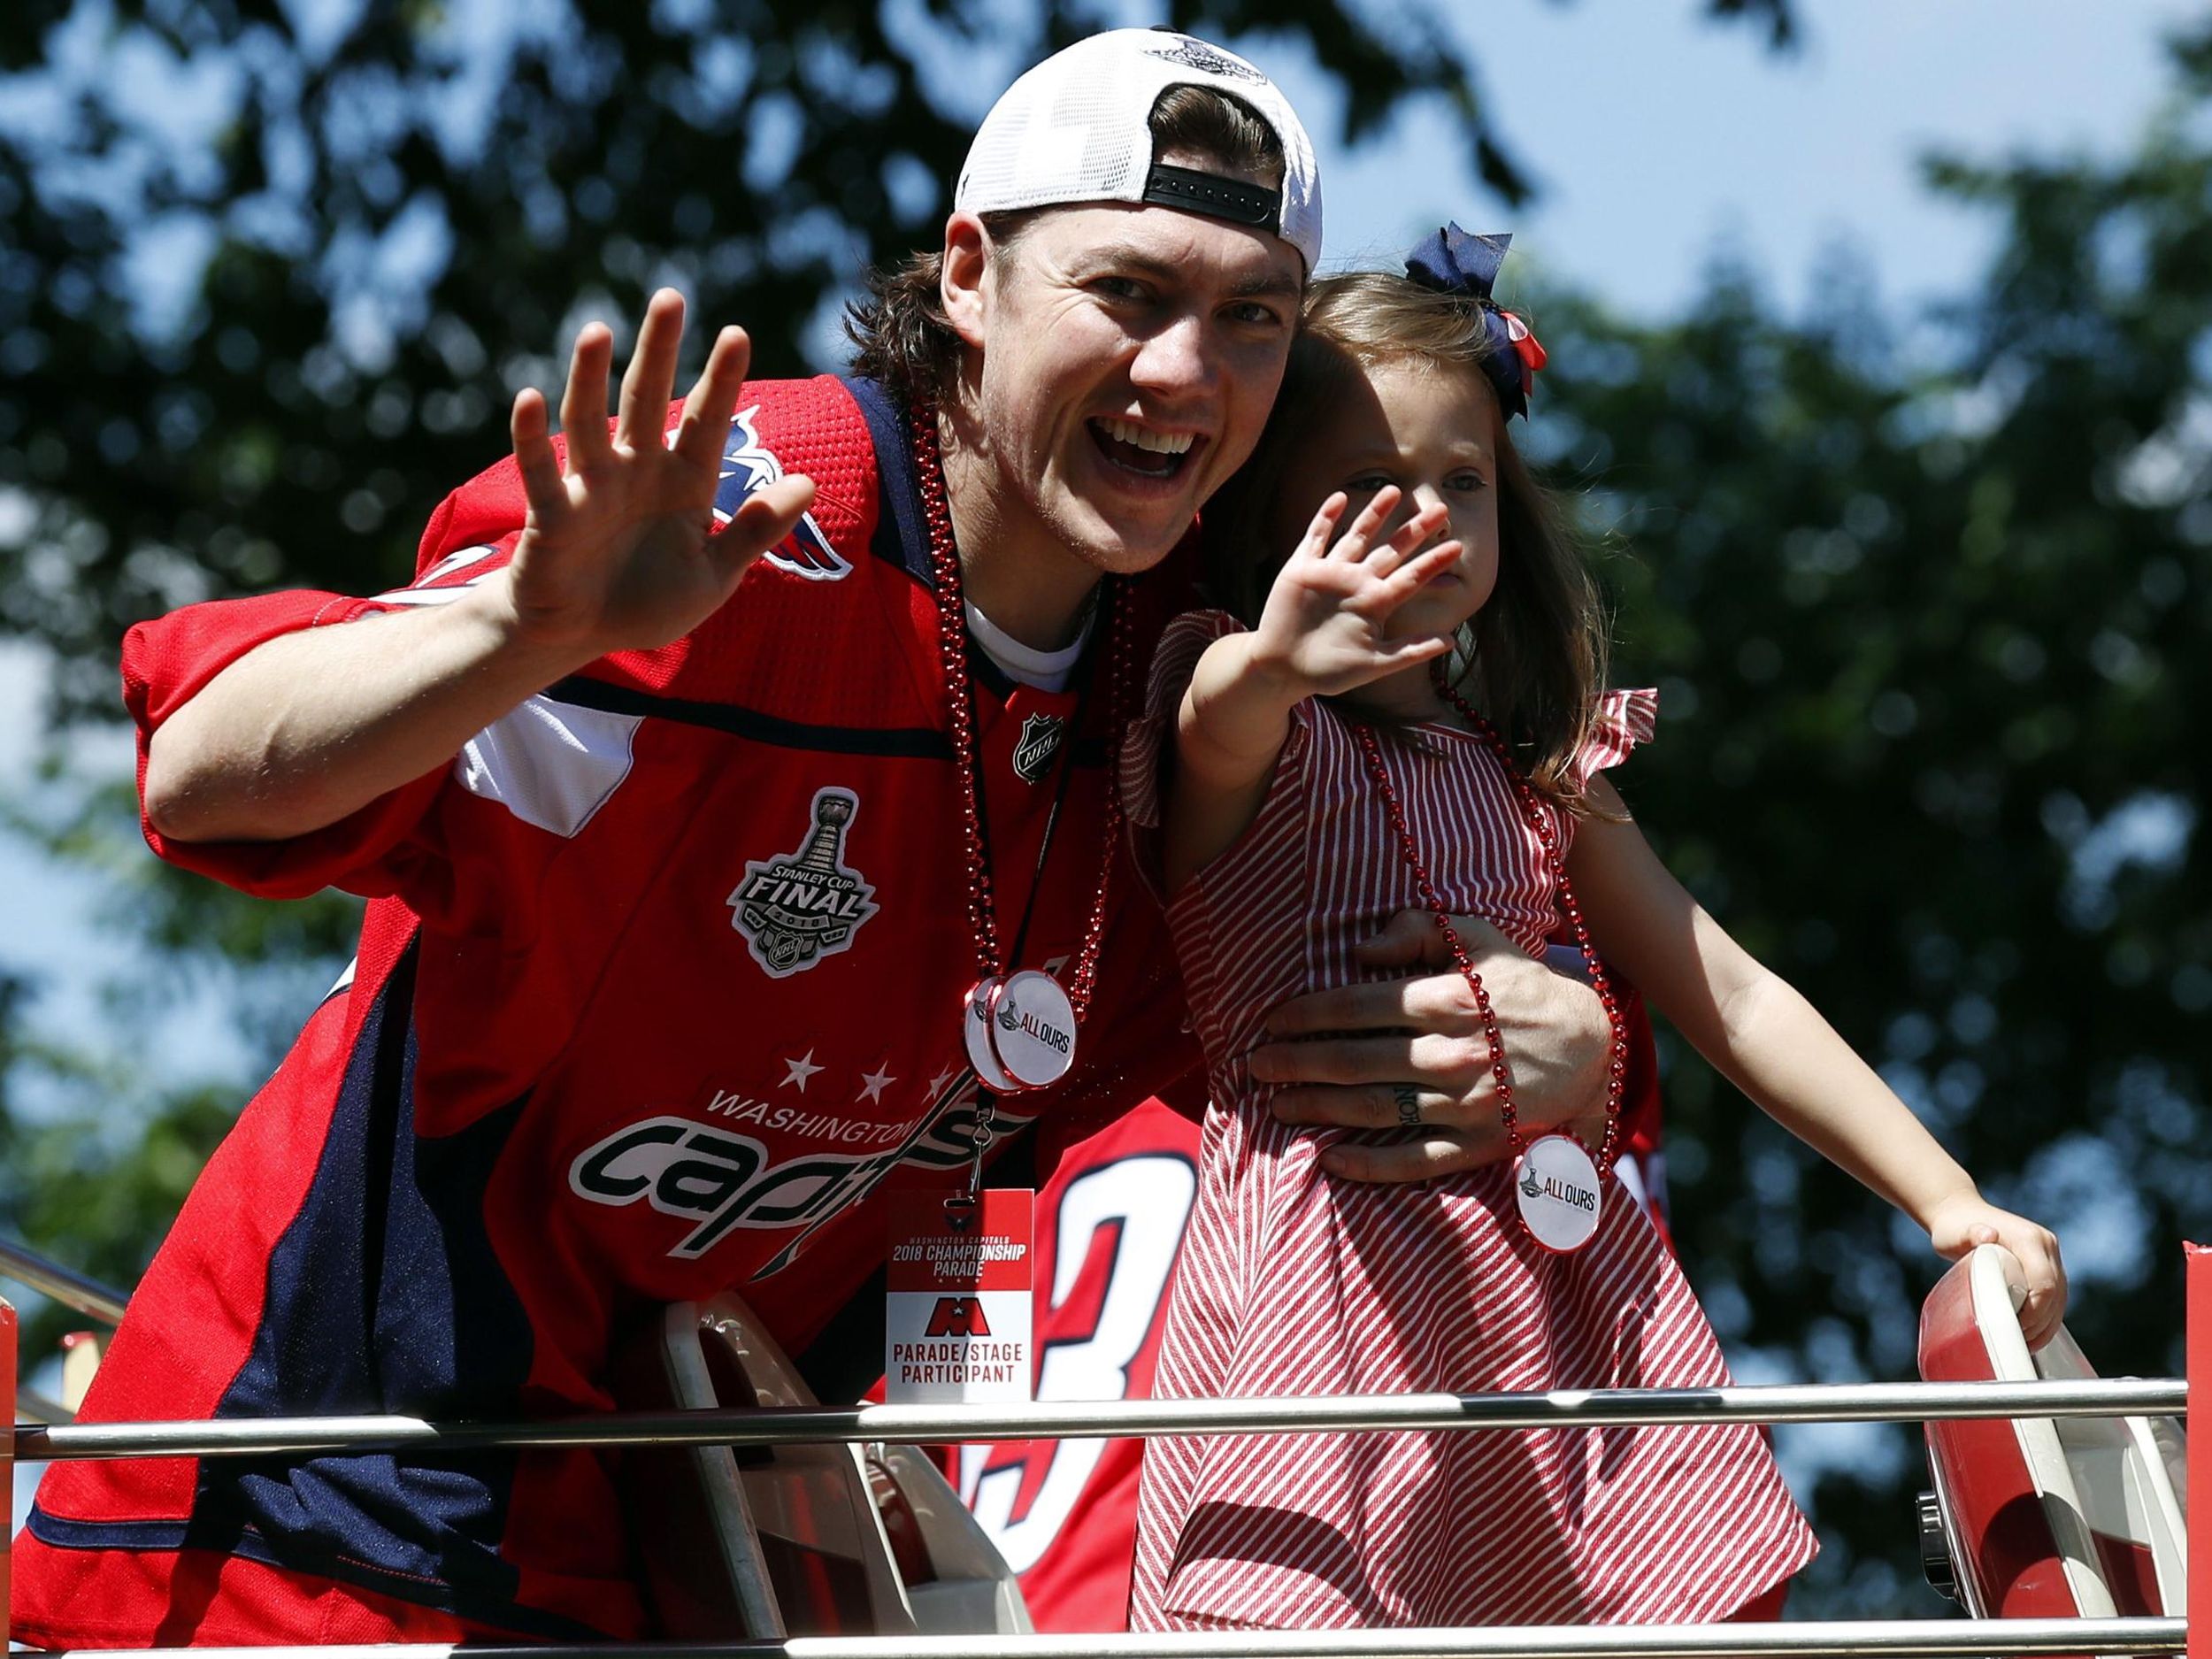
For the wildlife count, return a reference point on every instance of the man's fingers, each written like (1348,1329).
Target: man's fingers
(1408,939)
(702,435)
(1366,1106)
(641,415)
(541,468)
(1346,1008)
(1411,939)
(762,519)
(1421,1159)
(1364,1059)
(584,400)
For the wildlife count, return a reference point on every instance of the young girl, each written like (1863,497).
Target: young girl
(1395,719)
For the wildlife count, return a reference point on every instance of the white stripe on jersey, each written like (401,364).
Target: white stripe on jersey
(551,763)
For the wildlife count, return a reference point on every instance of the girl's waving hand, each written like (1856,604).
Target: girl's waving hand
(1326,626)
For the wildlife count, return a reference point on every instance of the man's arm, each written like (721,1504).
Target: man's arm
(616,554)
(1418,1044)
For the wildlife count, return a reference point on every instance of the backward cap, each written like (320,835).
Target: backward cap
(1077,128)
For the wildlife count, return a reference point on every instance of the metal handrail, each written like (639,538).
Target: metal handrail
(793,1425)
(73,1290)
(1897,1639)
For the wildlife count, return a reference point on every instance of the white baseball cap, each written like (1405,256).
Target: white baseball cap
(1078,128)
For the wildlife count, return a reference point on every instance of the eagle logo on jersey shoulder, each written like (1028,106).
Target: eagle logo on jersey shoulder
(746,467)
(798,907)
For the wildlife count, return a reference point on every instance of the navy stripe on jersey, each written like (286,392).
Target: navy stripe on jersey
(59,1533)
(908,741)
(902,535)
(384,1296)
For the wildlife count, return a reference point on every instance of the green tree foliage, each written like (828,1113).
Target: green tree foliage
(270,276)
(1927,612)
(1932,648)
(402,202)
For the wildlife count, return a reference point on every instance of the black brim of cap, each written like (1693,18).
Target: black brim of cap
(1217,197)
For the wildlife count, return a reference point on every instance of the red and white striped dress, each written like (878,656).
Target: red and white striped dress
(1295,1282)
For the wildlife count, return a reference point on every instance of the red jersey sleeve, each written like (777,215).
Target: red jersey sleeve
(168,662)
(392,845)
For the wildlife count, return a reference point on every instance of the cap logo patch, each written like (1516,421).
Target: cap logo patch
(1195,54)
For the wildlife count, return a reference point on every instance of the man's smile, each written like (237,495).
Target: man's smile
(1149,452)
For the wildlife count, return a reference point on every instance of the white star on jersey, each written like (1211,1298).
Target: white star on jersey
(873,1085)
(799,1070)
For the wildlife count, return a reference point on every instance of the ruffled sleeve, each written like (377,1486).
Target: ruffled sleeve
(1149,744)
(1623,723)
(1145,747)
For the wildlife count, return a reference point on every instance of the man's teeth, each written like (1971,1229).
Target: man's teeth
(1144,438)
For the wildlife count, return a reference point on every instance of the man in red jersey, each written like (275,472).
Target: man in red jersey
(677,890)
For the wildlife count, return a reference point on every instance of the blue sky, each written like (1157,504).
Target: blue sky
(1657,138)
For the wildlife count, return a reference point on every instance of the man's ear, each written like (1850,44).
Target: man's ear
(960,282)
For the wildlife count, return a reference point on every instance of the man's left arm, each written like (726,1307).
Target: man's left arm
(1413,1052)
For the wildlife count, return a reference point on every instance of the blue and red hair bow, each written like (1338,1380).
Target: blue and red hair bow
(1454,261)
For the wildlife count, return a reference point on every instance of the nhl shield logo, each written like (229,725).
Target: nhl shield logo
(1039,742)
(798,907)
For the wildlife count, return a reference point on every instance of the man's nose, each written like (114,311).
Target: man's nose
(1178,359)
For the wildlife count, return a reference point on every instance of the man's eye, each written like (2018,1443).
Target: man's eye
(1257,314)
(1118,287)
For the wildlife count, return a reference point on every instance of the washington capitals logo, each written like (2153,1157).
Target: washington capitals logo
(1039,742)
(1197,55)
(748,466)
(798,907)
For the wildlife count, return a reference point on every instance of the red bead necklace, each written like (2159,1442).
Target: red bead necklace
(1532,810)
(989,1001)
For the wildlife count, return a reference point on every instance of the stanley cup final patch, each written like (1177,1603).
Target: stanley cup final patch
(798,907)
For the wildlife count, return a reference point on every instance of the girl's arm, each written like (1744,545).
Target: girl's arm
(1231,724)
(1324,630)
(1767,1041)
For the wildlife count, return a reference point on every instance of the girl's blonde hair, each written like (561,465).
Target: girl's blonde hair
(1538,657)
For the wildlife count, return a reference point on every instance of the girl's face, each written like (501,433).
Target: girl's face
(1431,430)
